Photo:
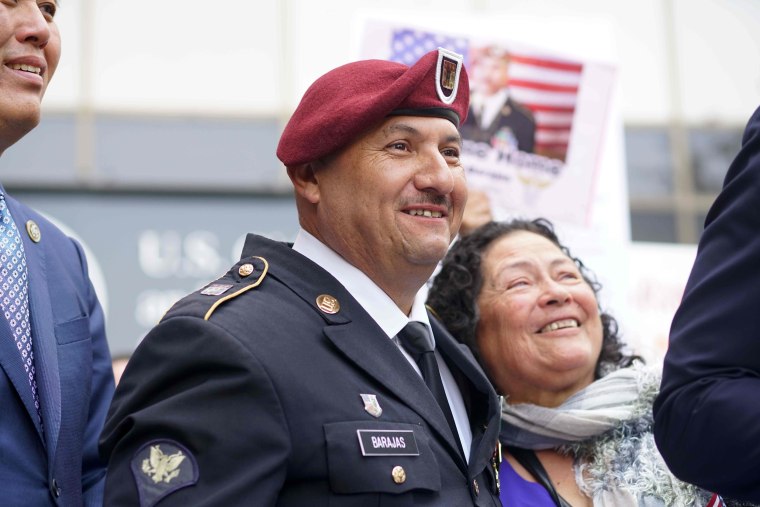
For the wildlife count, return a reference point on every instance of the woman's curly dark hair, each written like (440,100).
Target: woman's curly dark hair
(453,296)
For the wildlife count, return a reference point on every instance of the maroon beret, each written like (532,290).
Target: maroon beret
(347,101)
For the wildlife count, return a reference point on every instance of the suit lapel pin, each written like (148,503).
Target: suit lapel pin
(371,405)
(33,230)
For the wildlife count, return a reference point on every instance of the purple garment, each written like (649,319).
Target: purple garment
(517,492)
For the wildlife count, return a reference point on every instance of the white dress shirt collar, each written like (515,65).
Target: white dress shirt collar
(490,107)
(371,297)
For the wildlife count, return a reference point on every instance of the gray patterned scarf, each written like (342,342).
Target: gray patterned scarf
(607,427)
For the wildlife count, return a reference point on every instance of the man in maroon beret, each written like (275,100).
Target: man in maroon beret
(312,374)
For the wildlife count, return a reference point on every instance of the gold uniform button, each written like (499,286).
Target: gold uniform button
(245,269)
(475,487)
(399,475)
(328,304)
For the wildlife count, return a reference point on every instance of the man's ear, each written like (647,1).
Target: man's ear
(304,180)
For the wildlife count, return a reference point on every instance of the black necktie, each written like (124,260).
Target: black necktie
(415,339)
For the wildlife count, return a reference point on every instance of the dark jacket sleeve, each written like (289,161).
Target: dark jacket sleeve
(191,384)
(706,416)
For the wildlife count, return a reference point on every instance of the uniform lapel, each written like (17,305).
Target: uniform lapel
(364,343)
(356,335)
(485,425)
(43,336)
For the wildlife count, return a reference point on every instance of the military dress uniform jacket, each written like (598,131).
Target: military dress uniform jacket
(707,411)
(514,121)
(55,463)
(254,396)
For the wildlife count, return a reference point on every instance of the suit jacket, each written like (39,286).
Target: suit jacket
(249,392)
(58,465)
(707,411)
(513,124)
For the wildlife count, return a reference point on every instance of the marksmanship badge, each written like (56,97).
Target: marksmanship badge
(371,405)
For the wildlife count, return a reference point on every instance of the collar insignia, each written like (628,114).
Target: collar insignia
(447,72)
(328,304)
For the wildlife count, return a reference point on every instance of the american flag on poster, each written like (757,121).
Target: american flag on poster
(549,88)
(545,85)
(408,46)
(545,159)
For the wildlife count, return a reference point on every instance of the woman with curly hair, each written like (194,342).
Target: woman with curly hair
(576,417)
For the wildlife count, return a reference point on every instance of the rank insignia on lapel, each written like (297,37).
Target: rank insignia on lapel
(160,468)
(371,405)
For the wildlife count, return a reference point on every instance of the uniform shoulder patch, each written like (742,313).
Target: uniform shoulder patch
(160,468)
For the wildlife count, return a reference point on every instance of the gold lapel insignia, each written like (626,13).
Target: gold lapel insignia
(33,230)
(371,405)
(328,304)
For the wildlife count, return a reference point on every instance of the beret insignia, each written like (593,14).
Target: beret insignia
(160,468)
(447,75)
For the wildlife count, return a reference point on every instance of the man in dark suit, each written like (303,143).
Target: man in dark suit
(55,376)
(284,382)
(495,118)
(707,411)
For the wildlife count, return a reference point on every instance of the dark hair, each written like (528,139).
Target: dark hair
(453,296)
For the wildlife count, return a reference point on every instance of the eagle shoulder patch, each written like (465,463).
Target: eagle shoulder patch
(160,468)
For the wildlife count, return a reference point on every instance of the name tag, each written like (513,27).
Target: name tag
(388,443)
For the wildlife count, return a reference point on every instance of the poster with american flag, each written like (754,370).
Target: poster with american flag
(537,120)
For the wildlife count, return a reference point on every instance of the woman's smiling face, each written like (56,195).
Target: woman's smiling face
(539,332)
